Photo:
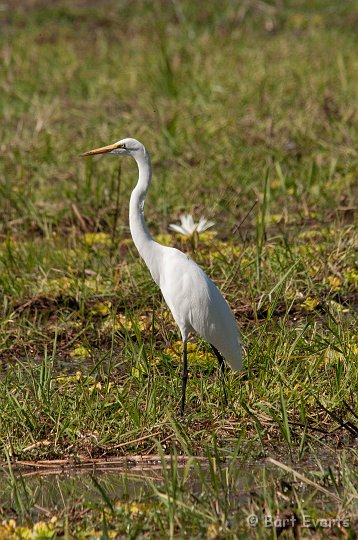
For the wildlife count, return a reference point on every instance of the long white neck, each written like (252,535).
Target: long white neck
(147,247)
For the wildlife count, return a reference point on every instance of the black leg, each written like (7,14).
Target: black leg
(221,361)
(223,368)
(184,378)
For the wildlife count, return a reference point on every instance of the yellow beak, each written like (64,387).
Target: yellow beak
(102,150)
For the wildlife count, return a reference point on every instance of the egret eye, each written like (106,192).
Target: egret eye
(121,146)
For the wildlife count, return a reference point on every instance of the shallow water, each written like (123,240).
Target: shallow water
(45,495)
(52,491)
(55,493)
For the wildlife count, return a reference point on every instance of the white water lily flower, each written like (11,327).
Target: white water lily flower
(187,226)
(204,224)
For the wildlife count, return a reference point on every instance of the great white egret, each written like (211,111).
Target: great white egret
(195,302)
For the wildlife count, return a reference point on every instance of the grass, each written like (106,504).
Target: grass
(250,115)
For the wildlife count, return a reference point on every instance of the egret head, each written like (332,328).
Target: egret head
(124,147)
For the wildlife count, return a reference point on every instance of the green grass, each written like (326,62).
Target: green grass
(249,112)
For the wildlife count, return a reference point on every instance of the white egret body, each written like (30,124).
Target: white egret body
(194,300)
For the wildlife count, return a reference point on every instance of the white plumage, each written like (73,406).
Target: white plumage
(198,306)
(194,300)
